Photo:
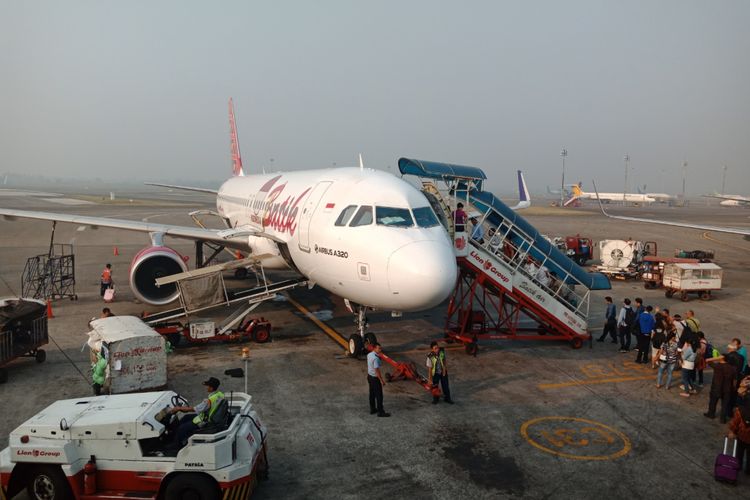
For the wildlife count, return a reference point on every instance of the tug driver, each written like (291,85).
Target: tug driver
(201,413)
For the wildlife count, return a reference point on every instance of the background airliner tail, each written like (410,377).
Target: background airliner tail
(234,143)
(524,200)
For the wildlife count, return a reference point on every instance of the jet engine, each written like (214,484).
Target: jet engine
(149,264)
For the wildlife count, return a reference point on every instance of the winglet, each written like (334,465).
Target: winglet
(234,143)
(361,163)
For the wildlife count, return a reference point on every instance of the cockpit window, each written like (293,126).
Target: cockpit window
(346,214)
(363,217)
(425,217)
(394,217)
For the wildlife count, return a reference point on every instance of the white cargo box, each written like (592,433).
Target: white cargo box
(136,358)
(689,277)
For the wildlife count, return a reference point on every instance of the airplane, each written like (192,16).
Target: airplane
(524,199)
(362,234)
(556,192)
(730,200)
(659,197)
(702,227)
(579,194)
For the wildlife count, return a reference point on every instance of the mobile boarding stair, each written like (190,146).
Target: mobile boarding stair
(500,293)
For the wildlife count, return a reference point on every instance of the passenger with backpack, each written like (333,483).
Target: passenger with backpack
(705,351)
(688,367)
(657,339)
(625,322)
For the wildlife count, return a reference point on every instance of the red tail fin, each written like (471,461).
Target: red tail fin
(234,142)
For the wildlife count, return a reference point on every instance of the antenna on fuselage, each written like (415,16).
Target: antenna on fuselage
(361,163)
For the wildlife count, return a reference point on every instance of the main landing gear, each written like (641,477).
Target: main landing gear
(362,341)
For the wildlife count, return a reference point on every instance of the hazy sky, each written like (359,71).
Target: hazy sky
(138,89)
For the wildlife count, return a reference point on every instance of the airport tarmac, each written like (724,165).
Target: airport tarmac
(531,419)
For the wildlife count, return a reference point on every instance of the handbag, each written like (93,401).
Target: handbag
(688,365)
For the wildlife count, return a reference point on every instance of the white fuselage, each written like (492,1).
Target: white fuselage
(628,197)
(398,258)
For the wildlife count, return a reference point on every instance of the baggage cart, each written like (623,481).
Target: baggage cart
(682,279)
(23,330)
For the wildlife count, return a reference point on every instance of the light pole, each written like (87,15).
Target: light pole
(723,179)
(563,154)
(684,176)
(626,158)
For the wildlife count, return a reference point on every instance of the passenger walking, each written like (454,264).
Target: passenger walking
(722,387)
(742,351)
(438,370)
(739,429)
(376,382)
(667,360)
(646,324)
(625,322)
(688,365)
(610,322)
(106,281)
(692,322)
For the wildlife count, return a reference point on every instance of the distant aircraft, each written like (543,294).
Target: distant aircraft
(363,234)
(702,227)
(659,197)
(579,194)
(524,199)
(556,192)
(730,200)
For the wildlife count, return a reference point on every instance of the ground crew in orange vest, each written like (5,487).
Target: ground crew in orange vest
(106,278)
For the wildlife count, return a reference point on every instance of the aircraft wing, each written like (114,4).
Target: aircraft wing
(183,188)
(701,227)
(741,199)
(233,237)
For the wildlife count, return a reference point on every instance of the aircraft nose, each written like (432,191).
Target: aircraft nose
(422,273)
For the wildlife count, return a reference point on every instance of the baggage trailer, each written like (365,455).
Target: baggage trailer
(651,269)
(23,330)
(123,446)
(683,279)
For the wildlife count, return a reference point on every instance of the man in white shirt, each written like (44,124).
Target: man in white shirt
(376,382)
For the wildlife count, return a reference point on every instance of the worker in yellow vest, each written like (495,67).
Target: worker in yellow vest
(200,414)
(438,369)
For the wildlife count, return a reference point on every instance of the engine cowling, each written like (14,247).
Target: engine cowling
(149,264)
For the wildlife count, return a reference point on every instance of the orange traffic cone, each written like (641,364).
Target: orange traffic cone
(49,309)
(115,252)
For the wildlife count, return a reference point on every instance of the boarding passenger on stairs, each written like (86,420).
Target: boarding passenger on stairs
(477,234)
(459,218)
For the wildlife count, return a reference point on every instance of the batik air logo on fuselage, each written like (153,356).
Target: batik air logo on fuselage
(269,212)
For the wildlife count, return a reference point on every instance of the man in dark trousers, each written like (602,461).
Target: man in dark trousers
(438,370)
(376,382)
(722,387)
(646,324)
(610,321)
(625,322)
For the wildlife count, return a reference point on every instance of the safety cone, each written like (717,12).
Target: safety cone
(115,252)
(49,309)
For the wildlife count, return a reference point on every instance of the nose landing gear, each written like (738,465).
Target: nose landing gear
(362,341)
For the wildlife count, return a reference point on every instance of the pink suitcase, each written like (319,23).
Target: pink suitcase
(109,295)
(727,466)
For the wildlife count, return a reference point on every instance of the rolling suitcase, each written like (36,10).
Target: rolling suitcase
(727,466)
(109,294)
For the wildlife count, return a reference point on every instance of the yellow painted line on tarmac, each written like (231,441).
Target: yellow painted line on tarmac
(326,329)
(595,381)
(706,236)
